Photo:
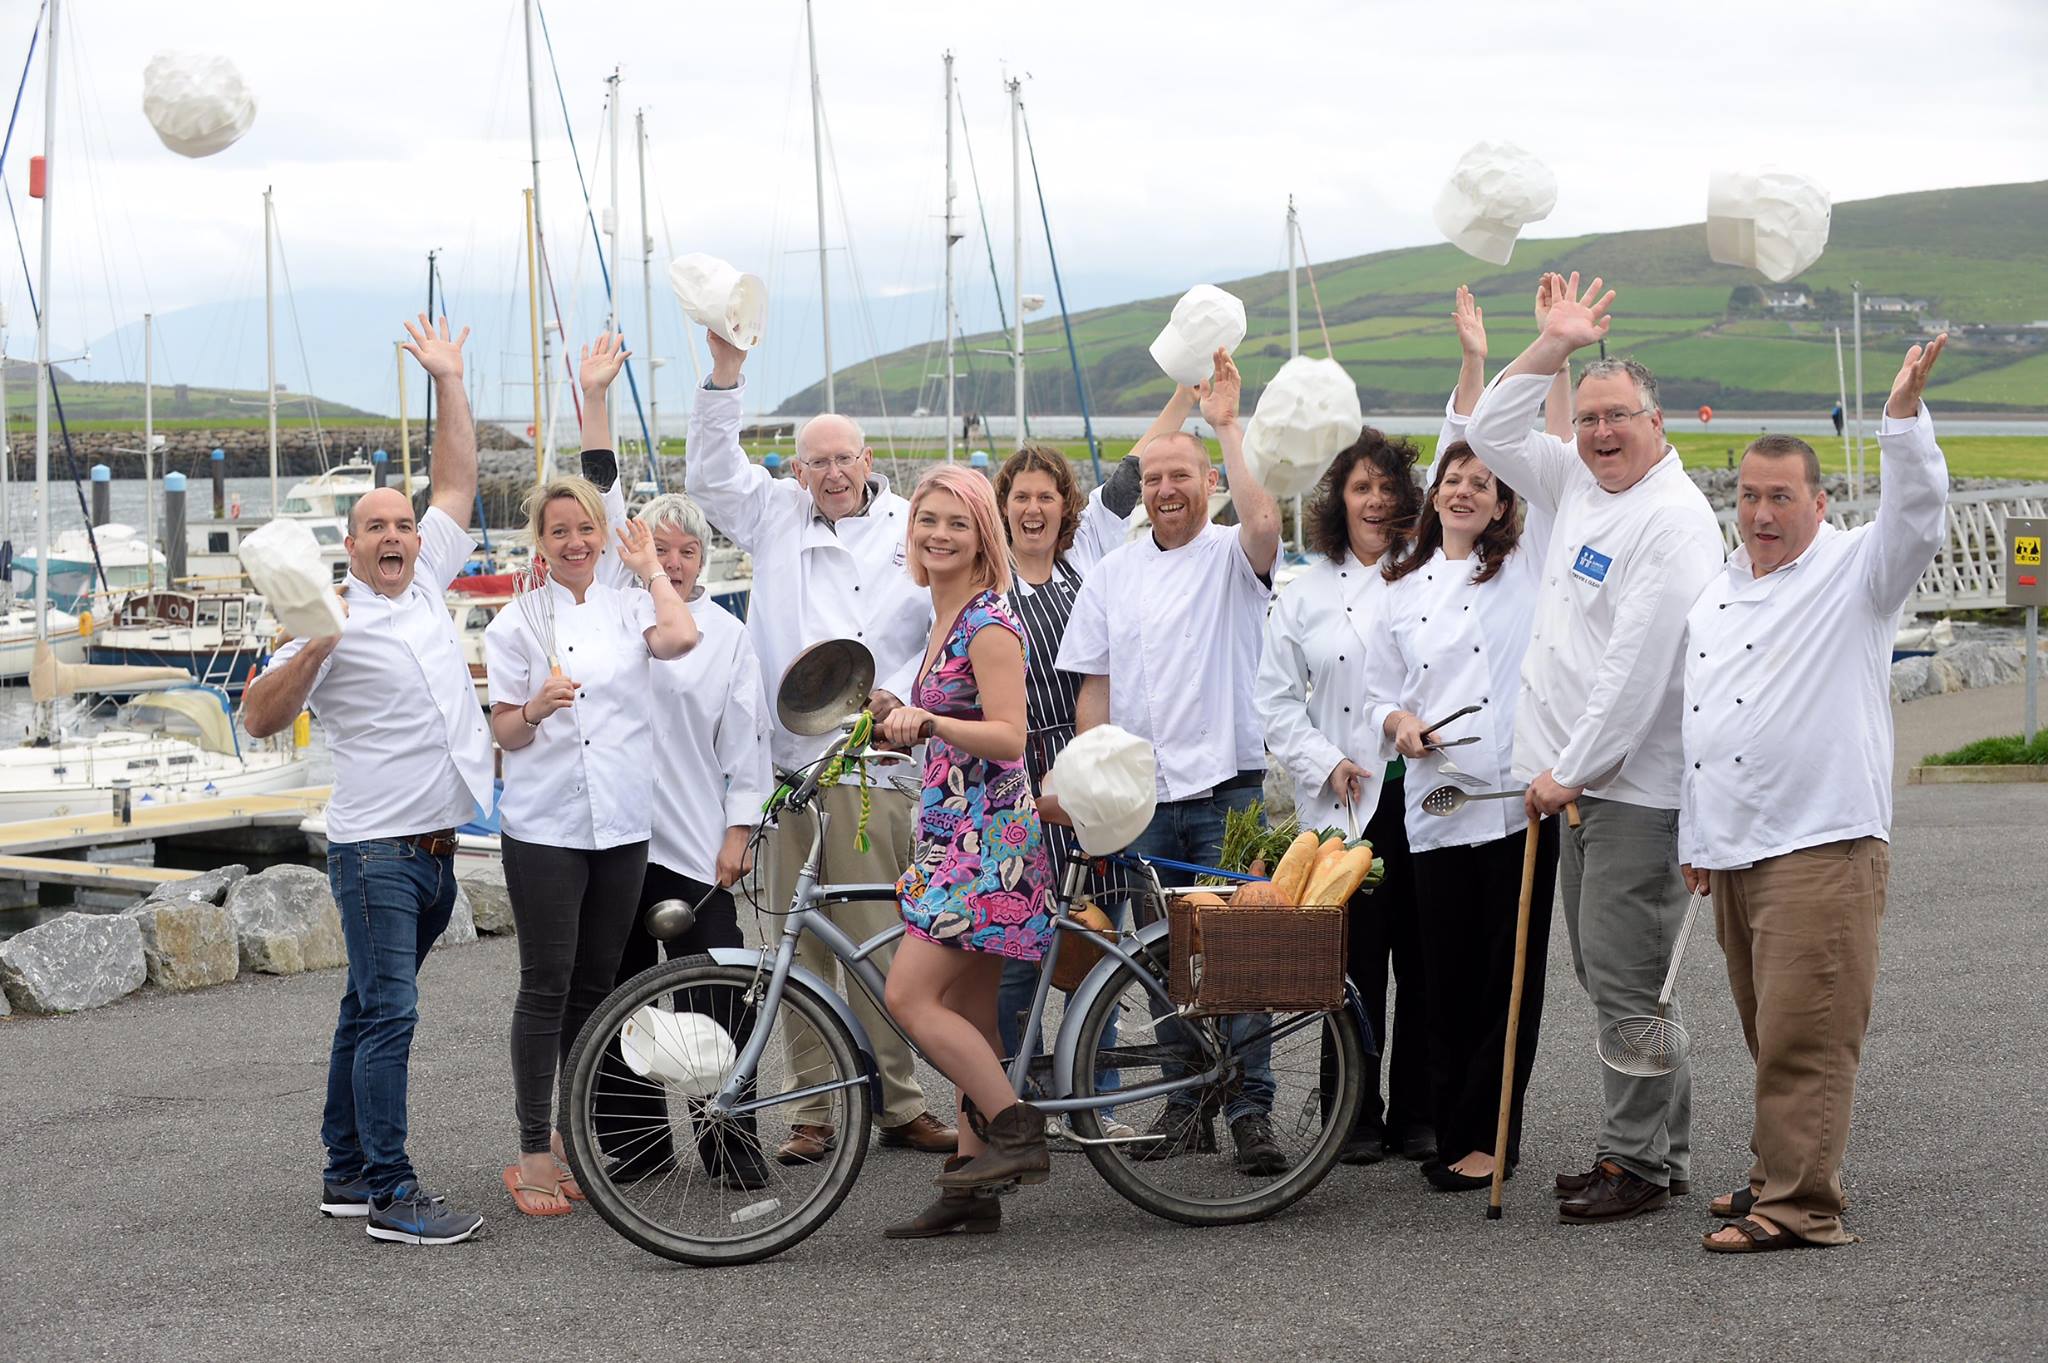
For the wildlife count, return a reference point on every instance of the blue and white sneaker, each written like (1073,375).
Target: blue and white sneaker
(345,1199)
(413,1216)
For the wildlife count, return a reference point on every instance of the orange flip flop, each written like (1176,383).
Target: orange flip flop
(530,1199)
(565,1177)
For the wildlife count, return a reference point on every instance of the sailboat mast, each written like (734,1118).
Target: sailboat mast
(427,428)
(1016,88)
(1856,473)
(43,347)
(647,295)
(544,372)
(270,347)
(1293,288)
(611,232)
(540,449)
(952,236)
(818,174)
(149,450)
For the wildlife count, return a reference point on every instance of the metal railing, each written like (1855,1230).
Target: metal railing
(1968,572)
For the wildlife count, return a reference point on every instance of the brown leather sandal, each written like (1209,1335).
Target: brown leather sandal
(1729,1206)
(1756,1239)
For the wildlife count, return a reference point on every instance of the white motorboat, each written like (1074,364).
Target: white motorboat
(18,640)
(131,563)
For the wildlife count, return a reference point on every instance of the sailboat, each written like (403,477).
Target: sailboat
(177,740)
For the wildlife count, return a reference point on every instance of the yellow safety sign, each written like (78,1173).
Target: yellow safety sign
(2026,551)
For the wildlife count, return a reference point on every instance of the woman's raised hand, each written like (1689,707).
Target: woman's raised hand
(636,550)
(1471,322)
(599,362)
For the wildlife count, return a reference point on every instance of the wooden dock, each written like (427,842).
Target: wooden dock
(72,832)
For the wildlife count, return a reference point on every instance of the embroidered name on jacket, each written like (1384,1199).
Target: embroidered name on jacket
(1591,565)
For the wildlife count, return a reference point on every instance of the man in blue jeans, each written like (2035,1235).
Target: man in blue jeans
(1166,633)
(412,761)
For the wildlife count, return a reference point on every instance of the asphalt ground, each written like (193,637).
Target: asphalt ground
(162,1170)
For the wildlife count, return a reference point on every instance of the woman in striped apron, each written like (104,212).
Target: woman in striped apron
(1056,536)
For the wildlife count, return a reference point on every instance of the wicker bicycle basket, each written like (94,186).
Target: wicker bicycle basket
(1226,959)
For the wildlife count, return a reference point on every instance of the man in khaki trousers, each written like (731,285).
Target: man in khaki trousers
(1786,805)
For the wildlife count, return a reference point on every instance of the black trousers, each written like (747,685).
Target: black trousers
(573,911)
(633,1120)
(1382,933)
(1468,898)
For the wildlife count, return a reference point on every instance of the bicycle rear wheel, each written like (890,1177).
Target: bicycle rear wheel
(1129,1039)
(680,1181)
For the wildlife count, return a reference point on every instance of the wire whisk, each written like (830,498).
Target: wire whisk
(536,606)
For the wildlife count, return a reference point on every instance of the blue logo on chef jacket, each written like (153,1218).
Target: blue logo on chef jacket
(1592,565)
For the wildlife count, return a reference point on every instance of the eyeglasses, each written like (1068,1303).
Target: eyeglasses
(1616,418)
(842,462)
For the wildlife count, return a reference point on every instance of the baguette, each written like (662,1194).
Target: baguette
(1290,877)
(1336,886)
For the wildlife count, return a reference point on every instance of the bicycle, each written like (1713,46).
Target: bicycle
(674,1144)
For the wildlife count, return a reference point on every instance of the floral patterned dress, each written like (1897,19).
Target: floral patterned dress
(981,878)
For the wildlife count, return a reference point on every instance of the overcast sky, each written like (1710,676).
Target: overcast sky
(1169,137)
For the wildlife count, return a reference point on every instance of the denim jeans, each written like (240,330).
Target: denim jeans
(394,899)
(1192,830)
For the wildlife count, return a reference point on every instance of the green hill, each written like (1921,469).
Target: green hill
(1975,256)
(93,406)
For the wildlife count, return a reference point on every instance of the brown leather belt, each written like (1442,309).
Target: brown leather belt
(438,844)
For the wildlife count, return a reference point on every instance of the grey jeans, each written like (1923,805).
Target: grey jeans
(1623,904)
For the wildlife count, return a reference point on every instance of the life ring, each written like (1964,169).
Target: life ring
(1706,414)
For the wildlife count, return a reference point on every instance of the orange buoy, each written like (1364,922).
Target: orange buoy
(1706,414)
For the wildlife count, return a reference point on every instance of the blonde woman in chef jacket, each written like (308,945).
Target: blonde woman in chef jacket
(1450,631)
(570,685)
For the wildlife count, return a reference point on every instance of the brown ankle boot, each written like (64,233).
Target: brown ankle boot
(1016,1153)
(966,1212)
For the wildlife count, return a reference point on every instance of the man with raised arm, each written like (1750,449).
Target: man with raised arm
(1788,792)
(1167,632)
(412,762)
(828,550)
(1632,543)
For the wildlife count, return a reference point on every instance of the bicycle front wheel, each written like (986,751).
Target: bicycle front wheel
(678,1179)
(1300,1075)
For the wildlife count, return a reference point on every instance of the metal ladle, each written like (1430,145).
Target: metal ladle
(1646,1046)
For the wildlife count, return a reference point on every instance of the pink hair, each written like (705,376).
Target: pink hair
(993,563)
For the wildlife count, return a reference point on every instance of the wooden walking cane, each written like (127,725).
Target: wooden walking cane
(1507,1060)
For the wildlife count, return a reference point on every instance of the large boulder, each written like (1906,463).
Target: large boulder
(489,903)
(82,960)
(187,943)
(1980,662)
(211,887)
(461,922)
(1917,678)
(286,921)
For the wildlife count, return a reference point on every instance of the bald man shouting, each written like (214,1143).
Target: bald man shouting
(412,761)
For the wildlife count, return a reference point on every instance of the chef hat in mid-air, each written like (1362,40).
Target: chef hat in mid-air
(687,1051)
(1496,190)
(197,104)
(1205,317)
(284,562)
(1771,221)
(1306,415)
(1107,782)
(717,297)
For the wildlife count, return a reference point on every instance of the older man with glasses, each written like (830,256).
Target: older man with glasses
(828,554)
(1632,544)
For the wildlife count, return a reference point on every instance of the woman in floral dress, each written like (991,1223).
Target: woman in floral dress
(979,887)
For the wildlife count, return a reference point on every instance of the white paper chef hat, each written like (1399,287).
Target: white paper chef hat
(717,297)
(1494,192)
(1306,415)
(197,104)
(1772,221)
(1205,317)
(1106,780)
(687,1051)
(284,562)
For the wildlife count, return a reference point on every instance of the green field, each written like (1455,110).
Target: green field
(118,406)
(2020,457)
(1975,255)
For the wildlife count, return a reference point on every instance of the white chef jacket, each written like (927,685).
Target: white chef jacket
(1441,642)
(813,580)
(1788,708)
(410,746)
(585,781)
(710,739)
(1601,678)
(1177,633)
(1310,693)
